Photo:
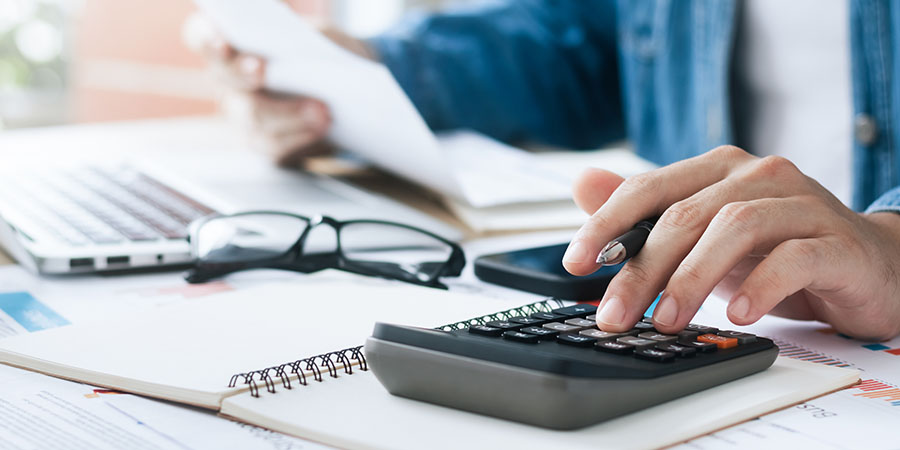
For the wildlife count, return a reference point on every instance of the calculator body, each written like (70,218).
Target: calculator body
(545,382)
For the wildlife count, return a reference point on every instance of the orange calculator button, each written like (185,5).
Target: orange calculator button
(720,341)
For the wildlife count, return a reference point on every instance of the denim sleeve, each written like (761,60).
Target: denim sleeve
(540,71)
(889,201)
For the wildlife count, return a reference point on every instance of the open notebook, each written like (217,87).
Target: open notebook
(286,357)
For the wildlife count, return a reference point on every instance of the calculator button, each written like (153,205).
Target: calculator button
(485,330)
(682,351)
(743,338)
(525,320)
(547,317)
(504,325)
(701,329)
(617,348)
(592,317)
(562,328)
(637,342)
(653,354)
(576,310)
(720,341)
(659,337)
(702,347)
(647,319)
(541,333)
(576,339)
(644,326)
(687,335)
(518,336)
(601,335)
(582,323)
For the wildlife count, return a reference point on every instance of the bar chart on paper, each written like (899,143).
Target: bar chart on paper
(862,416)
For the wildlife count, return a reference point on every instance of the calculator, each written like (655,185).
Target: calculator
(557,369)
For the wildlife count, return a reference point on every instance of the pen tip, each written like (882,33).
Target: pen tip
(612,254)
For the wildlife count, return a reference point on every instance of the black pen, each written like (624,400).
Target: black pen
(626,245)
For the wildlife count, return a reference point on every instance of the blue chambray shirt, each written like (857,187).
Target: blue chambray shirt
(581,73)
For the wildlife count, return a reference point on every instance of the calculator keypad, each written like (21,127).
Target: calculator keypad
(575,326)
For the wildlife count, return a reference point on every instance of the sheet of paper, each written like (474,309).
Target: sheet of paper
(40,412)
(27,300)
(864,416)
(371,114)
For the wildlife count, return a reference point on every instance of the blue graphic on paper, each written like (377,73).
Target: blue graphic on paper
(29,312)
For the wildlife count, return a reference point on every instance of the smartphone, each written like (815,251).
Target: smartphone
(540,270)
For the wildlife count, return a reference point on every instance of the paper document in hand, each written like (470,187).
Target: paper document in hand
(372,116)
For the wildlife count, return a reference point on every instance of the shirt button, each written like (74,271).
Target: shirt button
(864,129)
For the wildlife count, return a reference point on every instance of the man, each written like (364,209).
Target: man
(678,79)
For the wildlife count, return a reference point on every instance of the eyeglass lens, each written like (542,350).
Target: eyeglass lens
(394,251)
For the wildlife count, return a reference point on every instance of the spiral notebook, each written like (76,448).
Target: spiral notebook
(288,358)
(191,352)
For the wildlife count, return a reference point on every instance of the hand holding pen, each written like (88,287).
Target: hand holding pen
(757,231)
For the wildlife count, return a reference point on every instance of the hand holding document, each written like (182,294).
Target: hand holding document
(373,117)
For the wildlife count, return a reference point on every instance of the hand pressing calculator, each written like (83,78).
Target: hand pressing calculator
(557,369)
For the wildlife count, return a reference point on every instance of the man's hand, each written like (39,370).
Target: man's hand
(289,128)
(757,231)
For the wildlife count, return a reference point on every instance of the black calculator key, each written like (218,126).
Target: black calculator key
(647,319)
(637,342)
(547,317)
(485,330)
(654,336)
(540,332)
(562,327)
(576,340)
(602,335)
(644,326)
(682,351)
(504,325)
(702,347)
(525,320)
(575,311)
(743,338)
(701,329)
(582,323)
(687,335)
(617,348)
(518,336)
(653,354)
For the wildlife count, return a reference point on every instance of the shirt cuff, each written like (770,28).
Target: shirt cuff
(888,202)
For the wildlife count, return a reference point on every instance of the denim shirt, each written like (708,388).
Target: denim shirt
(581,73)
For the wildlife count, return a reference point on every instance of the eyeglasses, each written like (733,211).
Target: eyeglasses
(269,239)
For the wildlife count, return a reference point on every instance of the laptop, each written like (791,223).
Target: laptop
(99,216)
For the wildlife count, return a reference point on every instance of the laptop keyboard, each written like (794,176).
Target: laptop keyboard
(94,205)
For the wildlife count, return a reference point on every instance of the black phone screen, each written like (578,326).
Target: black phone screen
(547,260)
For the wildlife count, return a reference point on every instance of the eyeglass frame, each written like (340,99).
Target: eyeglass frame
(293,258)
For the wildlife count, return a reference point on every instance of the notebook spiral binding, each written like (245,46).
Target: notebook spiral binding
(345,359)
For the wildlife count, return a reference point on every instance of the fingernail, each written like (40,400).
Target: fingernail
(666,312)
(576,253)
(250,65)
(739,307)
(612,312)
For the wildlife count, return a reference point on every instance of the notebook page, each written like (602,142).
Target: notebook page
(188,352)
(369,417)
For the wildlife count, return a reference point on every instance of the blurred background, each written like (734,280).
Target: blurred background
(77,61)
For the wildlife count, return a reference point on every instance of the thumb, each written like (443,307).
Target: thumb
(593,188)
